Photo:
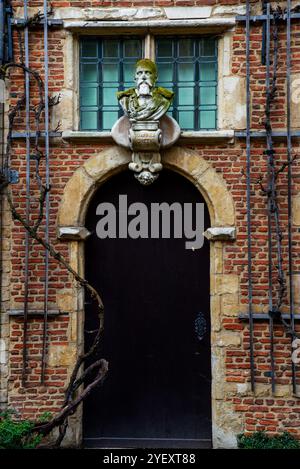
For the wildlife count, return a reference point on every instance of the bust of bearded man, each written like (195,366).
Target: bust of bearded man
(145,102)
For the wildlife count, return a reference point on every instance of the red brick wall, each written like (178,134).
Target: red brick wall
(230,162)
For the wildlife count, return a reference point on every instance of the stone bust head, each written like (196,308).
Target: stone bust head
(145,102)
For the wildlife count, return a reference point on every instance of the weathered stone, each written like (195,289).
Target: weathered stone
(296,209)
(77,187)
(220,233)
(218,197)
(63,112)
(215,24)
(243,389)
(61,355)
(282,390)
(222,10)
(215,313)
(234,102)
(109,14)
(65,300)
(177,13)
(3,396)
(228,283)
(189,162)
(217,366)
(75,233)
(227,339)
(217,258)
(295,100)
(296,284)
(100,165)
(169,127)
(224,438)
(231,310)
(2,91)
(3,352)
(225,57)
(227,425)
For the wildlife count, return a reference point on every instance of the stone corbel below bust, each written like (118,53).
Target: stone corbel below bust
(145,128)
(146,139)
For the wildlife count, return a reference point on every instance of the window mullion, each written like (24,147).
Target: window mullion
(149,47)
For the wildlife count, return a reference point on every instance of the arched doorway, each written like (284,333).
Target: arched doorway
(157,326)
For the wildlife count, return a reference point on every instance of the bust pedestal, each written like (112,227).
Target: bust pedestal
(145,139)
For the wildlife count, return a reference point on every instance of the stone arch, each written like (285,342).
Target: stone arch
(85,181)
(100,167)
(72,212)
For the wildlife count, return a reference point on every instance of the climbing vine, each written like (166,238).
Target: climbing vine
(269,189)
(77,389)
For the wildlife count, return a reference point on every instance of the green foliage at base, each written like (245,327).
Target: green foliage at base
(17,434)
(261,440)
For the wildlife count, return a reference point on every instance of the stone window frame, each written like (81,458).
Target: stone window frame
(231,88)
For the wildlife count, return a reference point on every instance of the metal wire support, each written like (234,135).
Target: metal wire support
(289,165)
(47,201)
(27,238)
(270,158)
(248,152)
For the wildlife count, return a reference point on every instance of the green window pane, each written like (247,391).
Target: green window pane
(207,119)
(186,47)
(208,47)
(186,96)
(186,72)
(207,95)
(89,120)
(186,119)
(208,71)
(109,96)
(89,49)
(128,72)
(110,48)
(165,48)
(110,73)
(89,72)
(165,72)
(132,48)
(109,118)
(89,96)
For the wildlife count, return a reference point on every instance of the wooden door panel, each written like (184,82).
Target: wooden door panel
(158,387)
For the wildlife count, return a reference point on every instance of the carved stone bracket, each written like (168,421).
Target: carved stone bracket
(145,139)
(72,233)
(221,233)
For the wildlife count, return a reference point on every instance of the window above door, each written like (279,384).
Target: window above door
(186,64)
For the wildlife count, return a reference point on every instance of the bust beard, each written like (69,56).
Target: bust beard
(144,89)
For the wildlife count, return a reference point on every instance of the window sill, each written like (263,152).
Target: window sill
(206,25)
(202,136)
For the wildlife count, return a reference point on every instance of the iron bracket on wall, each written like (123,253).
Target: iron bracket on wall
(22,135)
(265,317)
(55,23)
(258,18)
(262,134)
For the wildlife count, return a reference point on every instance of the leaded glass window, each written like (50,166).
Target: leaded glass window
(106,66)
(188,66)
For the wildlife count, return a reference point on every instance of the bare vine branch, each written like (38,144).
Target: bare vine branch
(79,375)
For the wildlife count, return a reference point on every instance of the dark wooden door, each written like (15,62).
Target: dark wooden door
(157,328)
